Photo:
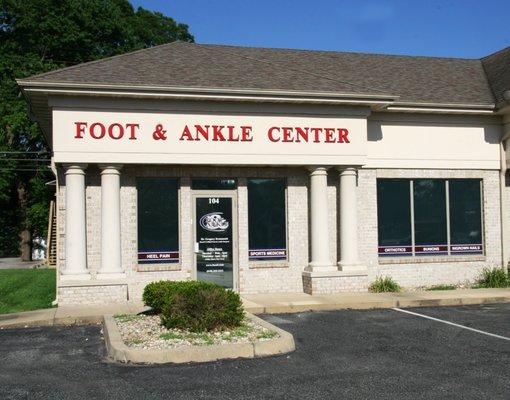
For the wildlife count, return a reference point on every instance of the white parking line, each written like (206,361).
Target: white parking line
(451,323)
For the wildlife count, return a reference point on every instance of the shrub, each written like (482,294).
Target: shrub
(386,284)
(156,294)
(195,306)
(493,278)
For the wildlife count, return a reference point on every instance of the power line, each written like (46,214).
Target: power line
(24,169)
(24,152)
(25,159)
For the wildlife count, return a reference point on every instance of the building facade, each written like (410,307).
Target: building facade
(269,170)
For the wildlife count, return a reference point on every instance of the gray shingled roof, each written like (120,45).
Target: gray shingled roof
(413,79)
(497,68)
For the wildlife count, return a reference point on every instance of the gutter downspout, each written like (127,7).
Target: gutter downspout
(502,186)
(57,186)
(502,183)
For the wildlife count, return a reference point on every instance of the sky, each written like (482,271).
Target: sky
(447,28)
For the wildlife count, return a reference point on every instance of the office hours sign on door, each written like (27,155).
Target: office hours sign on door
(213,242)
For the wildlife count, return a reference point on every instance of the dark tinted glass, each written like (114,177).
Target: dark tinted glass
(394,216)
(213,184)
(430,215)
(158,226)
(214,227)
(266,219)
(465,211)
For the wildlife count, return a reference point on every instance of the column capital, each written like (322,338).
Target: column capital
(110,168)
(347,170)
(78,169)
(318,169)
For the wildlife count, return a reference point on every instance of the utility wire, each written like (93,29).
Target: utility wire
(24,159)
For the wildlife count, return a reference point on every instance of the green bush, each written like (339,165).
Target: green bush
(386,284)
(156,294)
(494,278)
(194,306)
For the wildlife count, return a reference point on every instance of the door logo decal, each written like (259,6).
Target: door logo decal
(214,222)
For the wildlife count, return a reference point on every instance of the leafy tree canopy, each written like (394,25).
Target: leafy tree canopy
(38,36)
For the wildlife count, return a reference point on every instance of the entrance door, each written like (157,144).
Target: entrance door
(214,228)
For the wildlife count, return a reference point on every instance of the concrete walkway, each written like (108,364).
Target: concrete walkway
(273,304)
(299,302)
(16,263)
(67,315)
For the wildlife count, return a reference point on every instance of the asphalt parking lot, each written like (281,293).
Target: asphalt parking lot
(380,354)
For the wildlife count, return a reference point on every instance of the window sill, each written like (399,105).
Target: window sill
(158,267)
(268,264)
(431,259)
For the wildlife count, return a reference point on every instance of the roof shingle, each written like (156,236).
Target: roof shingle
(413,79)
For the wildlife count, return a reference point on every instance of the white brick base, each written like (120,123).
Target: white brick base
(92,294)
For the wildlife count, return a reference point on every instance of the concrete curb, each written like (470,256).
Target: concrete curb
(118,351)
(271,304)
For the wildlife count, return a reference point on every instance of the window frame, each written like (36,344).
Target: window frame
(448,253)
(277,261)
(162,265)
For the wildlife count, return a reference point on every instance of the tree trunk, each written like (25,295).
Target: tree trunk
(25,246)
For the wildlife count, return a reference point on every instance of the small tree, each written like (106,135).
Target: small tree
(38,36)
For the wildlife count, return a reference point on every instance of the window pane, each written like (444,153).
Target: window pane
(266,219)
(430,216)
(213,184)
(158,220)
(394,217)
(465,216)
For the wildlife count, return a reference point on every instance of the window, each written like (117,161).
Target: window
(465,216)
(267,233)
(213,184)
(158,220)
(429,216)
(394,216)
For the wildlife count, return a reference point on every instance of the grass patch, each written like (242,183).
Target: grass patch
(384,285)
(267,335)
(241,331)
(203,337)
(493,278)
(134,341)
(26,289)
(171,336)
(442,287)
(126,317)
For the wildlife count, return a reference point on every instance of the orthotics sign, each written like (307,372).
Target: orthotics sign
(86,136)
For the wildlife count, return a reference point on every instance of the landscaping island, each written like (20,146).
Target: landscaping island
(191,322)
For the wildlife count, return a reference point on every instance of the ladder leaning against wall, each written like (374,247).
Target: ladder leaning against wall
(52,236)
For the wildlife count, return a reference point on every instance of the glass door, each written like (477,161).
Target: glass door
(214,227)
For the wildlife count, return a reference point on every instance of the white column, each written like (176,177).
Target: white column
(319,235)
(76,224)
(349,260)
(111,262)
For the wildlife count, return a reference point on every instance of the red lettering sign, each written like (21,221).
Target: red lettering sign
(215,133)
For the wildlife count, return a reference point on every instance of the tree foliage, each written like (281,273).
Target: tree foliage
(38,36)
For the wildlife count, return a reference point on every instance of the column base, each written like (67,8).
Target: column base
(316,283)
(111,275)
(75,277)
(319,266)
(351,266)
